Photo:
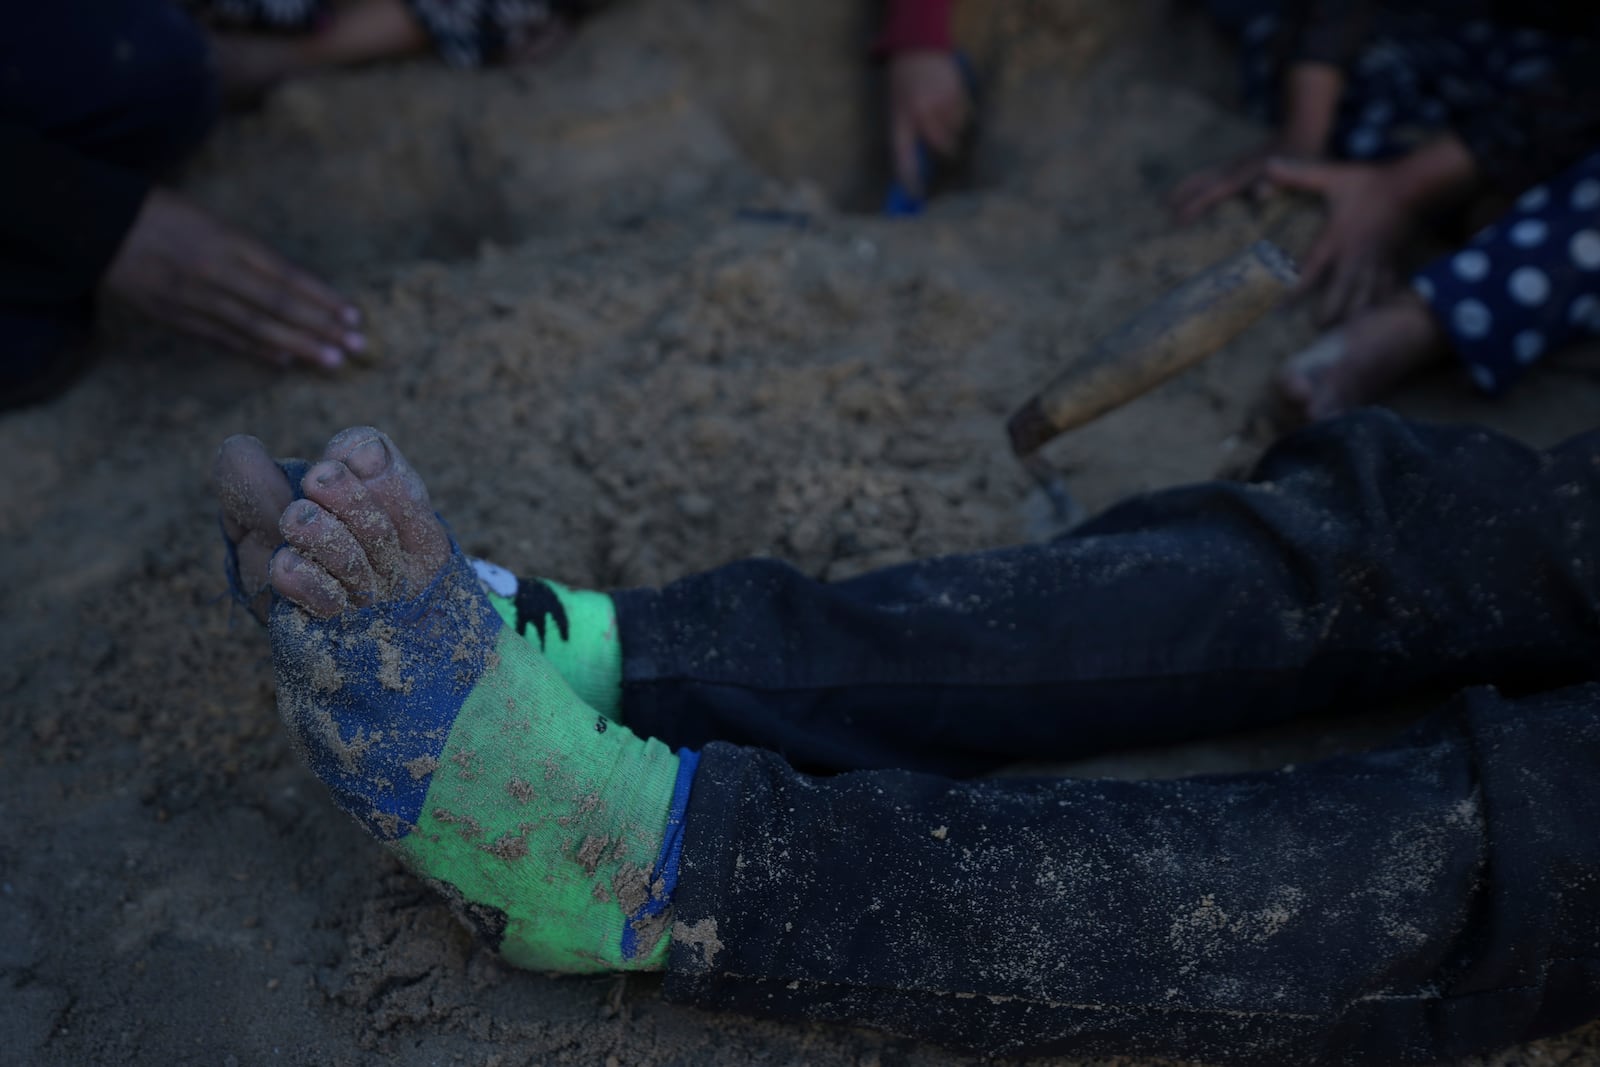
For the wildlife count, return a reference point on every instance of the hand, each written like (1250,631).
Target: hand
(1311,93)
(185,269)
(1201,192)
(928,102)
(1352,261)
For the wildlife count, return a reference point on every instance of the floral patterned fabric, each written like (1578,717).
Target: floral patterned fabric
(466,33)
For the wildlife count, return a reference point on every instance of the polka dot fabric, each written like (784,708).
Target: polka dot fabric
(1420,73)
(1527,285)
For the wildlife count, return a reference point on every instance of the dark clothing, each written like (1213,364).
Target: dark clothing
(1370,561)
(1430,900)
(96,100)
(1426,902)
(1334,31)
(1525,286)
(65,216)
(1518,83)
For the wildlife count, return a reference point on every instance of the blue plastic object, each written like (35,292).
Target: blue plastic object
(900,202)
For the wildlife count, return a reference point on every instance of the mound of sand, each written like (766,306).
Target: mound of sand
(628,326)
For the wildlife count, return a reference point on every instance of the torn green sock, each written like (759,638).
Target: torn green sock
(575,629)
(554,831)
(545,826)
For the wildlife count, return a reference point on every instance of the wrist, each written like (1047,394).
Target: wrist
(1439,171)
(1310,104)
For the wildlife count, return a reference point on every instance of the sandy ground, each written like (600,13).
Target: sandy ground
(606,375)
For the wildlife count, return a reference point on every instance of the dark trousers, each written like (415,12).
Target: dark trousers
(1430,900)
(124,82)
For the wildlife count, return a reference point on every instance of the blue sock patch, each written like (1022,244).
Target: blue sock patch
(369,696)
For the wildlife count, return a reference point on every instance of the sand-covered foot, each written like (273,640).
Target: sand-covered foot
(1360,362)
(253,489)
(575,629)
(448,735)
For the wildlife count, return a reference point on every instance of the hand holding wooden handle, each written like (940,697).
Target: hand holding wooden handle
(1182,328)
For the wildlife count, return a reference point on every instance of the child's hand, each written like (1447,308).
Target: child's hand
(1201,192)
(928,102)
(1352,262)
(1311,98)
(185,269)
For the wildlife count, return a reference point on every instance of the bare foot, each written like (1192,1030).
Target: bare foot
(364,531)
(1359,362)
(427,716)
(253,491)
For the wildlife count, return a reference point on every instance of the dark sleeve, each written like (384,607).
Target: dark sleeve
(1533,134)
(63,216)
(1330,31)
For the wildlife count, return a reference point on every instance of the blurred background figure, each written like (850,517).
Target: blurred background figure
(262,42)
(930,94)
(98,101)
(1414,112)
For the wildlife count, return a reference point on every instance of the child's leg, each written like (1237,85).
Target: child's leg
(1421,903)
(574,629)
(439,729)
(1369,558)
(1346,575)
(1528,285)
(1523,287)
(1430,900)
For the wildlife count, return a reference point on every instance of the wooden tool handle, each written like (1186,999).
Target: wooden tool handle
(1179,330)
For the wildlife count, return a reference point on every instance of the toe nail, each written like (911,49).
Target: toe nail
(307,513)
(329,473)
(369,459)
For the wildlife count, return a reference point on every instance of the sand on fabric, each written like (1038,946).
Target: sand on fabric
(604,375)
